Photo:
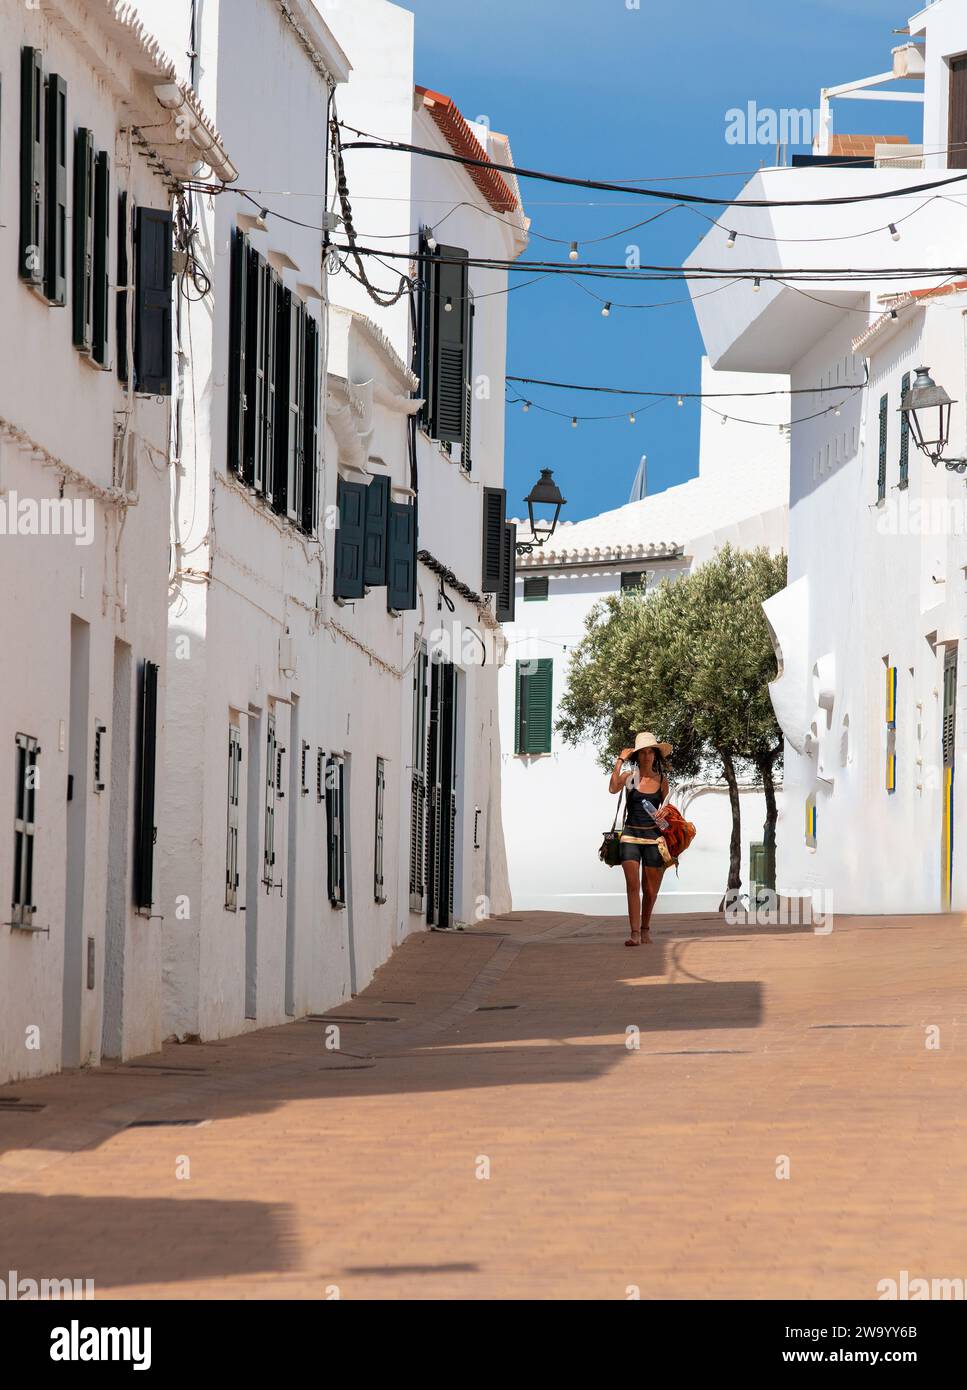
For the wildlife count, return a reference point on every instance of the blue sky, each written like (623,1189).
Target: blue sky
(600,90)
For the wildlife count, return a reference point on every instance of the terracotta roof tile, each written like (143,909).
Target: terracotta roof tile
(456,131)
(862,146)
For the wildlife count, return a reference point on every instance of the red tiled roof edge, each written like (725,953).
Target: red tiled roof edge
(462,141)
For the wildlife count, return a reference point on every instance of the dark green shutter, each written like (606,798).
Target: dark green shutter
(102,236)
(465,452)
(144,831)
(83,239)
(55,240)
(152,306)
(123,297)
(377,525)
(270,395)
(494,511)
(237,344)
(401,557)
(507,591)
(310,428)
(449,346)
(904,435)
(31,258)
(881,470)
(254,371)
(282,363)
(534,704)
(350,536)
(295,408)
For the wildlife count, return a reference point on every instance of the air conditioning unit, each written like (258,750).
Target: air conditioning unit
(898,156)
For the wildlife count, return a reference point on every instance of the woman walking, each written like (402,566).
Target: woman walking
(646,787)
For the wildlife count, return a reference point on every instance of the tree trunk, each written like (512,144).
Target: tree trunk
(765,768)
(735,844)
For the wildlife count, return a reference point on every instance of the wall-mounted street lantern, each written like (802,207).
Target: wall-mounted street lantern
(544,494)
(927,407)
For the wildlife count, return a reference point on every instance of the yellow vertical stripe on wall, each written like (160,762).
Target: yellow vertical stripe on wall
(891,696)
(947,838)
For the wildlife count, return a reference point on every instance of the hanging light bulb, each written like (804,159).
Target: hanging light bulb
(448,307)
(730,244)
(574,422)
(606,311)
(756,285)
(526,407)
(680,401)
(836,410)
(893,232)
(893,314)
(431,242)
(573,253)
(631,418)
(725,419)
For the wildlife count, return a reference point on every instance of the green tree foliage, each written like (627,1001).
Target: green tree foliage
(690,660)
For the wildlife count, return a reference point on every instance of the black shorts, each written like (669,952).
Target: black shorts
(649,856)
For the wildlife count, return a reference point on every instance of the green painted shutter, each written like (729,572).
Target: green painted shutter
(494,508)
(310,428)
(401,557)
(881,470)
(237,345)
(376,562)
(83,237)
(31,257)
(152,304)
(55,197)
(904,435)
(350,536)
(99,272)
(533,707)
(507,592)
(449,309)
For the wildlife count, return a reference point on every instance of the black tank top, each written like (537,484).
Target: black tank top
(638,817)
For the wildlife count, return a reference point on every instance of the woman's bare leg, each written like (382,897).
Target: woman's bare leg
(651,882)
(631,872)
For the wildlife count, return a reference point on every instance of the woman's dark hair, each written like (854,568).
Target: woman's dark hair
(658,762)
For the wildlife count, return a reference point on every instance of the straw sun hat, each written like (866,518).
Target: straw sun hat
(648,740)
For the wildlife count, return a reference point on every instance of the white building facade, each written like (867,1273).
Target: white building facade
(871,687)
(739,498)
(96,141)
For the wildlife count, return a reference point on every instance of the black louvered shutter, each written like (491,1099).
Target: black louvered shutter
(377,525)
(465,452)
(350,538)
(507,590)
(123,297)
(270,394)
(144,831)
(152,307)
(494,513)
(237,345)
(254,372)
(282,367)
(102,237)
(449,307)
(401,557)
(83,239)
(310,428)
(294,401)
(31,259)
(55,193)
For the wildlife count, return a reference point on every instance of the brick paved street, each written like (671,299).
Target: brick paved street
(609,1167)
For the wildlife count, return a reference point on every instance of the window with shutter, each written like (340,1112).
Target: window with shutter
(55,193)
(401,557)
(904,435)
(271,776)
(237,345)
(350,538)
(83,237)
(536,588)
(494,509)
(310,426)
(335,830)
(234,802)
(280,454)
(418,792)
(99,269)
(534,706)
(507,592)
(447,344)
(152,301)
(957,114)
(295,391)
(881,467)
(634,579)
(31,257)
(465,451)
(270,393)
(24,831)
(122,296)
(377,525)
(144,830)
(379,888)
